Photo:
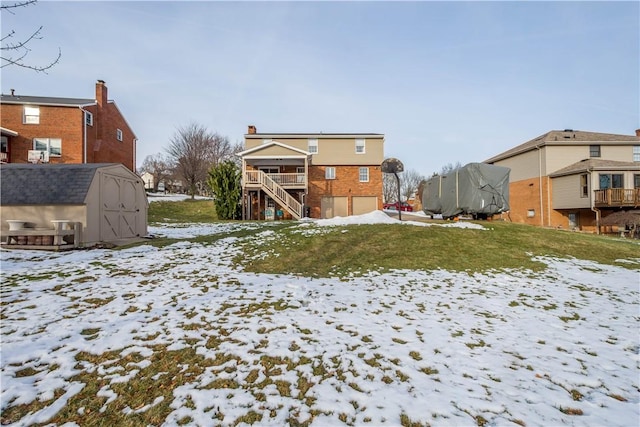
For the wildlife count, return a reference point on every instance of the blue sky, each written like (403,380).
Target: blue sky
(446,82)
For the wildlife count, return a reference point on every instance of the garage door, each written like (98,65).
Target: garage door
(333,206)
(119,208)
(363,205)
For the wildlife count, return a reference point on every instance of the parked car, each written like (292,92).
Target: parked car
(404,206)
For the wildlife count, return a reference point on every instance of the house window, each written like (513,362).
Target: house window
(53,146)
(300,172)
(608,180)
(88,118)
(312,145)
(594,151)
(584,185)
(531,213)
(636,153)
(119,135)
(636,180)
(359,146)
(4,144)
(363,173)
(31,115)
(330,172)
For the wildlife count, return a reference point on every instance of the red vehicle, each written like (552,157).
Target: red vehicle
(404,206)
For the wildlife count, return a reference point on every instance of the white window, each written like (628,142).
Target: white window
(267,141)
(359,146)
(531,213)
(31,115)
(88,118)
(330,172)
(119,134)
(312,145)
(363,173)
(53,146)
(636,153)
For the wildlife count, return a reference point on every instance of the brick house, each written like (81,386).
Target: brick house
(292,175)
(65,130)
(572,179)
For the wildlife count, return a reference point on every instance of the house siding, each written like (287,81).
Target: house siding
(567,193)
(524,166)
(331,150)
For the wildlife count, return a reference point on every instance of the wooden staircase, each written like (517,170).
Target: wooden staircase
(280,195)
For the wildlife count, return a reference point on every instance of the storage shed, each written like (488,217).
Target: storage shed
(107,198)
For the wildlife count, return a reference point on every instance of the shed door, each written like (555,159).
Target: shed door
(363,205)
(333,206)
(120,213)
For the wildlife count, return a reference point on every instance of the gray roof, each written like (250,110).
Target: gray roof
(596,164)
(44,100)
(310,134)
(46,184)
(567,137)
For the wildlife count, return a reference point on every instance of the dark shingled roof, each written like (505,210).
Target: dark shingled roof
(45,100)
(46,184)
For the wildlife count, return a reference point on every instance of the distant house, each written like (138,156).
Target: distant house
(44,129)
(320,175)
(108,199)
(572,179)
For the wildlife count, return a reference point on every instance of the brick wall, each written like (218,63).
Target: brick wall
(347,183)
(525,195)
(66,123)
(55,122)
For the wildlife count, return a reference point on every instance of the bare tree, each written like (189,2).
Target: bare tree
(194,150)
(389,188)
(15,49)
(158,167)
(449,167)
(409,182)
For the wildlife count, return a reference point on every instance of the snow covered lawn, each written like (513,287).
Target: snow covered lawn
(559,347)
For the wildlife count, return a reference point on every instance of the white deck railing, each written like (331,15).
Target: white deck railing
(275,191)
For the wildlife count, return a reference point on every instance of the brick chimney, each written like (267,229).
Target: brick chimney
(101,93)
(637,132)
(252,130)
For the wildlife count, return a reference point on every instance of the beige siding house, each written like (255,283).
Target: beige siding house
(318,175)
(572,179)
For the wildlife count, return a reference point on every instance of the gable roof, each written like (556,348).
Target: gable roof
(566,137)
(272,144)
(596,165)
(46,184)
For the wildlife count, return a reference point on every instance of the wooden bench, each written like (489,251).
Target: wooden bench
(44,238)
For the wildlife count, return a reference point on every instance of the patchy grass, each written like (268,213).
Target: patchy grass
(352,250)
(199,211)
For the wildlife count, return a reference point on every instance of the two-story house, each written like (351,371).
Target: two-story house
(318,175)
(572,179)
(43,129)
